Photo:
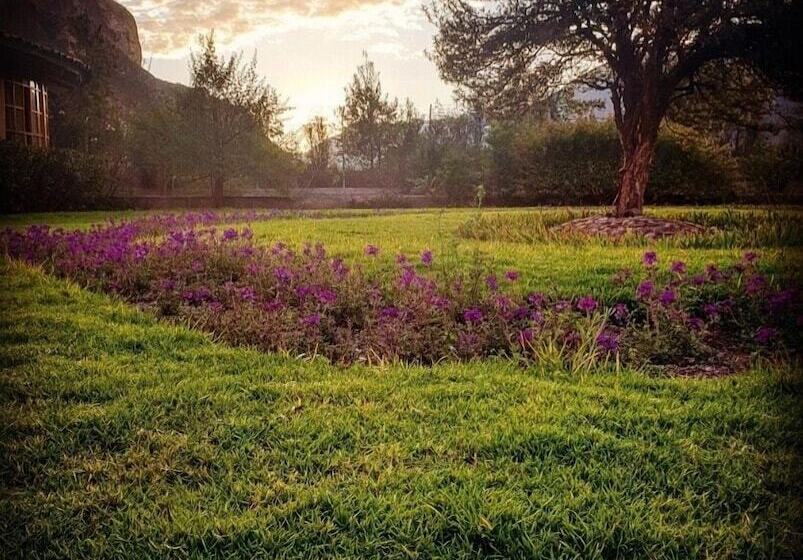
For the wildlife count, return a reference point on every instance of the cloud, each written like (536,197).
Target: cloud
(169,27)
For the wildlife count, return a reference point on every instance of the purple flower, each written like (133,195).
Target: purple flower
(713,273)
(668,297)
(511,275)
(765,335)
(620,312)
(696,324)
(562,305)
(247,293)
(247,233)
(302,292)
(608,341)
(282,274)
(649,259)
(698,280)
(587,304)
(426,258)
(536,300)
(197,296)
(473,315)
(230,234)
(780,301)
(140,252)
(525,337)
(711,310)
(678,267)
(645,289)
(408,277)
(326,296)
(502,302)
(371,250)
(439,302)
(389,313)
(492,282)
(755,284)
(339,269)
(311,320)
(401,259)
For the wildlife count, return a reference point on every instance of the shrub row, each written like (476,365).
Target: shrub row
(36,180)
(578,164)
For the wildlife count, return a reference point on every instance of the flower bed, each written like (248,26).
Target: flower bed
(308,302)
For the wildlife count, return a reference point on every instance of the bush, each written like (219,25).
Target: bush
(458,174)
(578,163)
(772,174)
(36,180)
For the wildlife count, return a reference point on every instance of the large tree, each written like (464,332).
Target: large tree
(367,115)
(235,115)
(646,53)
(227,125)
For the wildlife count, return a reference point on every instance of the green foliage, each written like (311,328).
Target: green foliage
(367,116)
(577,163)
(35,180)
(555,163)
(771,172)
(226,126)
(457,174)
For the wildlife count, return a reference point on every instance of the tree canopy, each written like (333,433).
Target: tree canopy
(646,53)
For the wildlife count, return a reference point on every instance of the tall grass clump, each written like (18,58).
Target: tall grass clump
(725,229)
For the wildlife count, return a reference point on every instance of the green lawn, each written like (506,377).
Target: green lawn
(562,268)
(124,437)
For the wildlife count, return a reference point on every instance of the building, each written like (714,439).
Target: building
(27,70)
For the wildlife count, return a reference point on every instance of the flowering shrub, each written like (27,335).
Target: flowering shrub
(308,302)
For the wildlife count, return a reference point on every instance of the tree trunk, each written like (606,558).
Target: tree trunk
(634,175)
(217,191)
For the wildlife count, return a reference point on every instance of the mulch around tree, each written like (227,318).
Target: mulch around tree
(611,227)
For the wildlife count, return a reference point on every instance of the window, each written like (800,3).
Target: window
(27,119)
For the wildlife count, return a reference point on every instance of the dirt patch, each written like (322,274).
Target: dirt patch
(615,228)
(721,365)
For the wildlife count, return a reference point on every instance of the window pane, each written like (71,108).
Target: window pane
(9,118)
(18,94)
(9,92)
(19,120)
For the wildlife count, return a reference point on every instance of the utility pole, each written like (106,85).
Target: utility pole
(343,148)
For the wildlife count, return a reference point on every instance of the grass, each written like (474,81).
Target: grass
(124,437)
(545,265)
(731,228)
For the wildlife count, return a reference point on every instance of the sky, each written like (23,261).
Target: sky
(306,49)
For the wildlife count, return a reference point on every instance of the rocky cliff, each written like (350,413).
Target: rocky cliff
(103,35)
(79,28)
